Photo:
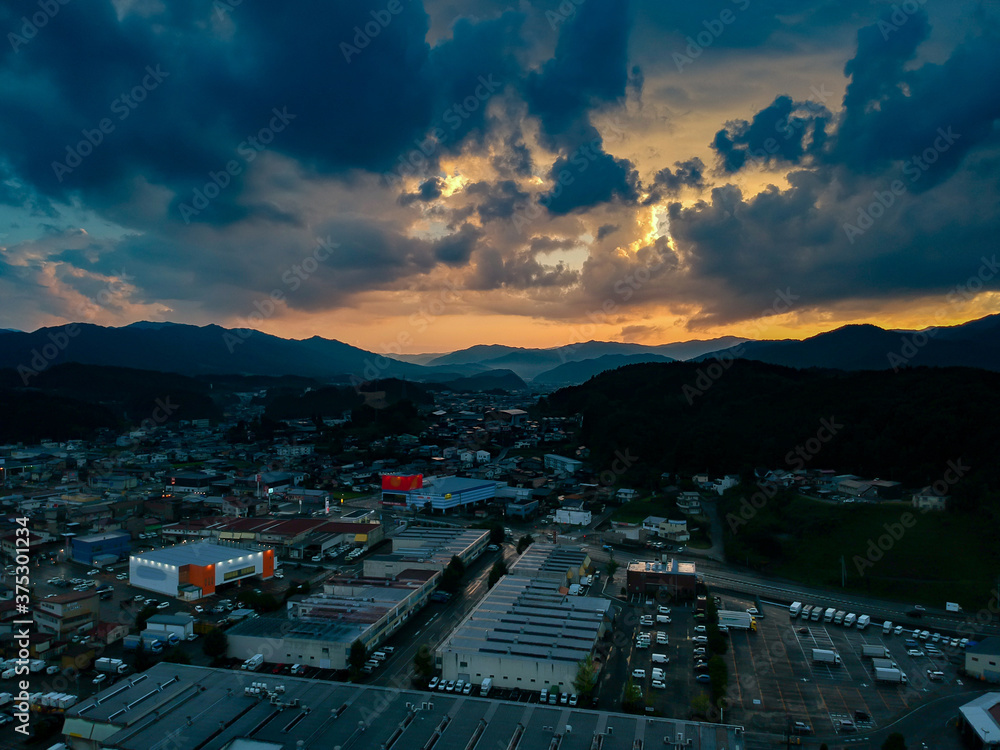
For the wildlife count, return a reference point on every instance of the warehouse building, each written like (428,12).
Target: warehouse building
(427,548)
(981,722)
(192,571)
(675,579)
(321,628)
(525,634)
(441,494)
(552,562)
(182,706)
(982,661)
(100,549)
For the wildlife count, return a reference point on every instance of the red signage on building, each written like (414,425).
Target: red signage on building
(401,483)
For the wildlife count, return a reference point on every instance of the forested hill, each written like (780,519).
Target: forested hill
(904,426)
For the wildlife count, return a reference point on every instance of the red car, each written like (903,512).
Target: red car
(277,669)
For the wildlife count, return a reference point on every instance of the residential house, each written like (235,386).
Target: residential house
(930,499)
(675,530)
(68,614)
(689,503)
(651,525)
(626,494)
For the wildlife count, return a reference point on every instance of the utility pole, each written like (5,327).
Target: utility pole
(843,573)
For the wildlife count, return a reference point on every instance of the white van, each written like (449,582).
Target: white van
(660,659)
(379,656)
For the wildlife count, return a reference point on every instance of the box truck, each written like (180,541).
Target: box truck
(884,664)
(850,620)
(828,615)
(887,627)
(806,611)
(817,613)
(952,607)
(838,619)
(875,651)
(826,656)
(863,622)
(485,688)
(890,675)
(254,663)
(738,620)
(114,666)
(132,642)
(795,610)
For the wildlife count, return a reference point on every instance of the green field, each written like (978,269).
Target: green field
(889,550)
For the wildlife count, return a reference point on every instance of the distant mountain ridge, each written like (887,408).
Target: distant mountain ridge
(868,347)
(574,373)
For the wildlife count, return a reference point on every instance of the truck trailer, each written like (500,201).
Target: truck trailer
(826,656)
(884,664)
(738,620)
(890,675)
(875,651)
(112,666)
(132,642)
(254,663)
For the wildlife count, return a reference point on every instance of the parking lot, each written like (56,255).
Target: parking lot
(773,679)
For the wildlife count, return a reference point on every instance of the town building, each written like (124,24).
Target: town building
(67,615)
(525,633)
(100,549)
(675,579)
(183,706)
(981,722)
(562,464)
(982,661)
(193,571)
(930,499)
(321,628)
(441,494)
(427,548)
(553,562)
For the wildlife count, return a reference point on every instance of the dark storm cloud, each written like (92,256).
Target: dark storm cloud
(605,230)
(517,272)
(781,133)
(589,177)
(689,173)
(589,67)
(501,199)
(514,157)
(429,190)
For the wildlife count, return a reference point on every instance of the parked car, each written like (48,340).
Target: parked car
(659,684)
(639,673)
(800,727)
(898,630)
(700,629)
(93,572)
(433,683)
(163,605)
(198,608)
(915,652)
(100,679)
(700,639)
(702,678)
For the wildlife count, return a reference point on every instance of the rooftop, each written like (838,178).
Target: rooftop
(93,538)
(983,715)
(674,566)
(175,705)
(199,553)
(548,560)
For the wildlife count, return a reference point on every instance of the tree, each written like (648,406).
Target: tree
(144,614)
(719,674)
(524,542)
(894,741)
(357,658)
(632,699)
(701,704)
(496,533)
(612,566)
(216,643)
(451,579)
(423,664)
(586,677)
(711,612)
(498,571)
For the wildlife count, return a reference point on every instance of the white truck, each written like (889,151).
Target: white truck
(113,666)
(875,651)
(850,620)
(254,663)
(828,615)
(795,610)
(36,665)
(826,656)
(864,621)
(890,675)
(952,607)
(738,620)
(884,664)
(838,619)
(485,688)
(887,627)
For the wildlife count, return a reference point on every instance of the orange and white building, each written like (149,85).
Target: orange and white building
(193,571)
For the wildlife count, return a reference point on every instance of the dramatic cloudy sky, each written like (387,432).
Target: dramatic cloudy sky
(429,175)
